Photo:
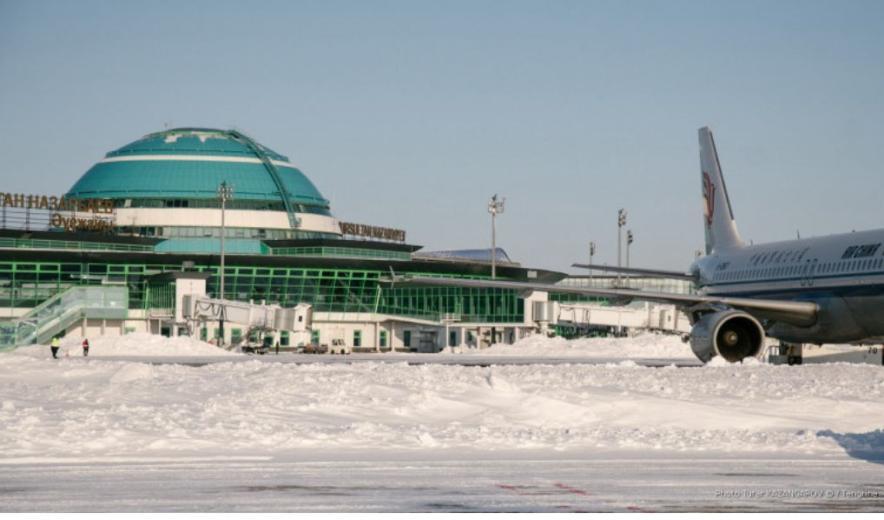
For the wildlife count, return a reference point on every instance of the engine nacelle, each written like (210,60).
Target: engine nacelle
(733,335)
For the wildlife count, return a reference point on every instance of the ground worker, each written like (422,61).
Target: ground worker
(54,346)
(85,347)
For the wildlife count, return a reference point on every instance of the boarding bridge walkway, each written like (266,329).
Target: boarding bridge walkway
(645,316)
(62,310)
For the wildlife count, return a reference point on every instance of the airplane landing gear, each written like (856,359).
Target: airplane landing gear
(785,353)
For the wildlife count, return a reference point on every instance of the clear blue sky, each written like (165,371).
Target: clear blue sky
(412,114)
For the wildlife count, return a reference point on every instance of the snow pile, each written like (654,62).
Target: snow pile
(647,345)
(74,407)
(134,344)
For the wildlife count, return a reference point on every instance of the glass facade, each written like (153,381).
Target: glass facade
(341,252)
(641,283)
(215,232)
(211,203)
(26,284)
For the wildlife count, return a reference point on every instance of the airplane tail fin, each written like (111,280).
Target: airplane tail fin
(718,217)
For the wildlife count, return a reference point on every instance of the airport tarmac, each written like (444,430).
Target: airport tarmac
(446,482)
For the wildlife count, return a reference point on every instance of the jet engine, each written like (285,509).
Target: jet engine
(731,334)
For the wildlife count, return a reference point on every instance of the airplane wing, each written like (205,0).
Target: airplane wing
(655,273)
(788,311)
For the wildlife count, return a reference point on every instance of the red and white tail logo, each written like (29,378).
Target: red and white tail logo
(709,197)
(718,217)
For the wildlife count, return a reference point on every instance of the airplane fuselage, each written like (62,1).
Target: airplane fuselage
(843,274)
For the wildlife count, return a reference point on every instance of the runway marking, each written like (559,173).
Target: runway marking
(570,489)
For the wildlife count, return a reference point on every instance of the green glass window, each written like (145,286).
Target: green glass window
(382,338)
(357,338)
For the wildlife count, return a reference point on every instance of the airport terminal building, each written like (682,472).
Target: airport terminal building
(114,253)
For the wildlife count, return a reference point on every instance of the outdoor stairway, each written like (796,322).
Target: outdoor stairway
(62,310)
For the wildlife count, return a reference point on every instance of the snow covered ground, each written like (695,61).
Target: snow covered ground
(135,344)
(524,432)
(656,346)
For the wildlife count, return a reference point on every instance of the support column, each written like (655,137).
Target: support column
(377,336)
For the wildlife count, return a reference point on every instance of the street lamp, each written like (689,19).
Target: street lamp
(225,193)
(495,207)
(591,254)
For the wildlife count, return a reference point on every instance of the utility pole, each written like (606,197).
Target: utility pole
(225,193)
(495,207)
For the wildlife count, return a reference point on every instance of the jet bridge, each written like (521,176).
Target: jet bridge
(195,310)
(637,316)
(253,316)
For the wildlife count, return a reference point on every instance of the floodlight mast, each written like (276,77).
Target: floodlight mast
(630,238)
(621,221)
(225,193)
(495,207)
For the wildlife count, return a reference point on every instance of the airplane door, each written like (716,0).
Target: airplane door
(809,270)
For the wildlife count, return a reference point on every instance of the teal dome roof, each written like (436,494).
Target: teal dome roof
(190,163)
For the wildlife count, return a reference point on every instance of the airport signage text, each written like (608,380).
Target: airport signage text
(64,210)
(364,230)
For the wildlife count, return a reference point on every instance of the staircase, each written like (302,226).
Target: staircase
(59,312)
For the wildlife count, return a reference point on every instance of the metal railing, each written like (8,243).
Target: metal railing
(33,243)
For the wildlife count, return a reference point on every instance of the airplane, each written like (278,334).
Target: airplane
(828,289)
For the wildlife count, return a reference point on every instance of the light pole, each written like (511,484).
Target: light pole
(225,193)
(591,254)
(630,238)
(495,207)
(621,221)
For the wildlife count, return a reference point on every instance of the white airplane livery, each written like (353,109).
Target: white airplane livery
(817,290)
